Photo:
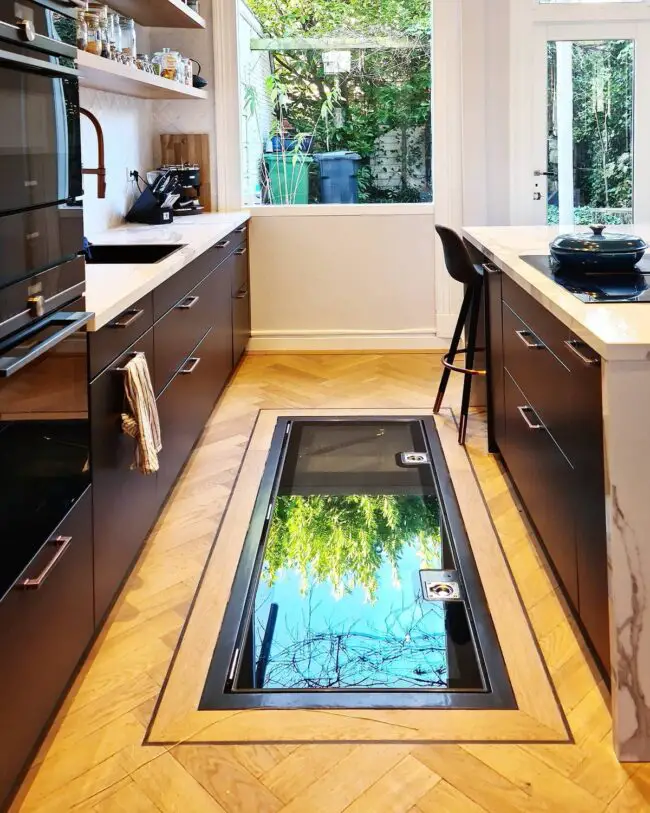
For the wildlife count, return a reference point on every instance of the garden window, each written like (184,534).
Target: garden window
(336,101)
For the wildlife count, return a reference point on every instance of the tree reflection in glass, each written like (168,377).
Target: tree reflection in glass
(339,603)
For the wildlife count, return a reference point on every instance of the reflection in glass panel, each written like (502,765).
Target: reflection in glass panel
(590,131)
(339,602)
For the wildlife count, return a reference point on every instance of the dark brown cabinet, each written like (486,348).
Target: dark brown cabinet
(241,309)
(189,346)
(184,407)
(183,327)
(124,499)
(546,420)
(44,630)
(544,479)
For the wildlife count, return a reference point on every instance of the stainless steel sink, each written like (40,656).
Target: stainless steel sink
(115,254)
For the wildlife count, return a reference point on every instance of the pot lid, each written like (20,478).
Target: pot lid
(598,241)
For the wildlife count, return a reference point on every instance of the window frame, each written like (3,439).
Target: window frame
(568,12)
(323,209)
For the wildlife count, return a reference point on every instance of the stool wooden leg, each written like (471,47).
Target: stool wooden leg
(453,347)
(471,348)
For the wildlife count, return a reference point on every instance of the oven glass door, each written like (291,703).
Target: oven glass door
(44,434)
(40,154)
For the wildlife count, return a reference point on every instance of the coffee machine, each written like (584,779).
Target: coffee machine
(188,178)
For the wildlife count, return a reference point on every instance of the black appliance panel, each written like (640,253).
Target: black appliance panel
(40,143)
(48,291)
(44,434)
(597,286)
(37,239)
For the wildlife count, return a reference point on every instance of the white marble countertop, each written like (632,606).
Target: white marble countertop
(619,332)
(110,289)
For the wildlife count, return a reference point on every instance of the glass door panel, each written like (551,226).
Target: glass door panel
(590,131)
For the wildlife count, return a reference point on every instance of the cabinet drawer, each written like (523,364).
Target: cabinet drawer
(112,340)
(543,378)
(540,321)
(177,287)
(44,632)
(124,503)
(546,482)
(181,329)
(184,406)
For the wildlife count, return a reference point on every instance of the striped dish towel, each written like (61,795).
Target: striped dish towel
(140,418)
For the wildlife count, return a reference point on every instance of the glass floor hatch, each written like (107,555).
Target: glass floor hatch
(357,586)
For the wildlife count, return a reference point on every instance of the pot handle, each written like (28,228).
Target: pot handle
(597,230)
(196,61)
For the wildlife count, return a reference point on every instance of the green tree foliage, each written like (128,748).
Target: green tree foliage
(603,101)
(346,539)
(385,88)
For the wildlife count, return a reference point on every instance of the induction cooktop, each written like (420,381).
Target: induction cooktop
(595,287)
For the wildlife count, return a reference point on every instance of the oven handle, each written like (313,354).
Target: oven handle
(9,365)
(28,62)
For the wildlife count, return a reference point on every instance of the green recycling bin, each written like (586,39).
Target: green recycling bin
(288,177)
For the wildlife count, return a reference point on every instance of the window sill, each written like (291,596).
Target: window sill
(343,210)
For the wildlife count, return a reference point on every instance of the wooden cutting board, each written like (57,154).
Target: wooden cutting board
(179,148)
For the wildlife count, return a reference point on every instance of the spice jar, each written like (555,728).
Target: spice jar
(127,29)
(101,10)
(82,32)
(94,44)
(156,63)
(188,72)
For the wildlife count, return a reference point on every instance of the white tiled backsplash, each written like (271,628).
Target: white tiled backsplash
(128,137)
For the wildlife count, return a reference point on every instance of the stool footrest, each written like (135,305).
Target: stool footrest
(465,370)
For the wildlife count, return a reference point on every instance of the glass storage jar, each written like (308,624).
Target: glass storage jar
(169,63)
(188,72)
(94,45)
(156,63)
(82,32)
(129,42)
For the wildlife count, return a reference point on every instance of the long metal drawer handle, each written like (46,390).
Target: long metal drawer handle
(491,268)
(133,317)
(523,411)
(223,243)
(241,230)
(62,543)
(523,335)
(242,293)
(241,251)
(188,303)
(193,364)
(72,322)
(573,346)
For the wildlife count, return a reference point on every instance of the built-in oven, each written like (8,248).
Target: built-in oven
(41,219)
(44,434)
(40,146)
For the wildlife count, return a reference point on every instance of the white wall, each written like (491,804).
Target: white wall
(321,281)
(128,135)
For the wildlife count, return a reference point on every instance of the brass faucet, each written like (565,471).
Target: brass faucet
(100,172)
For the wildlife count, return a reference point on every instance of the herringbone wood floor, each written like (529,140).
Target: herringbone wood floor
(94,759)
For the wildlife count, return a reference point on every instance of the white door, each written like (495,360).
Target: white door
(589,127)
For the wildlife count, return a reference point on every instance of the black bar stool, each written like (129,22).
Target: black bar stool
(462,269)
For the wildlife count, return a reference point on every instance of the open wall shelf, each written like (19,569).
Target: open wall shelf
(113,77)
(160,13)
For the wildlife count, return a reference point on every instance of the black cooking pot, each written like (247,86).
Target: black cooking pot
(598,251)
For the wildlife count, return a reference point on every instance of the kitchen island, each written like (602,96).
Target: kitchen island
(569,422)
